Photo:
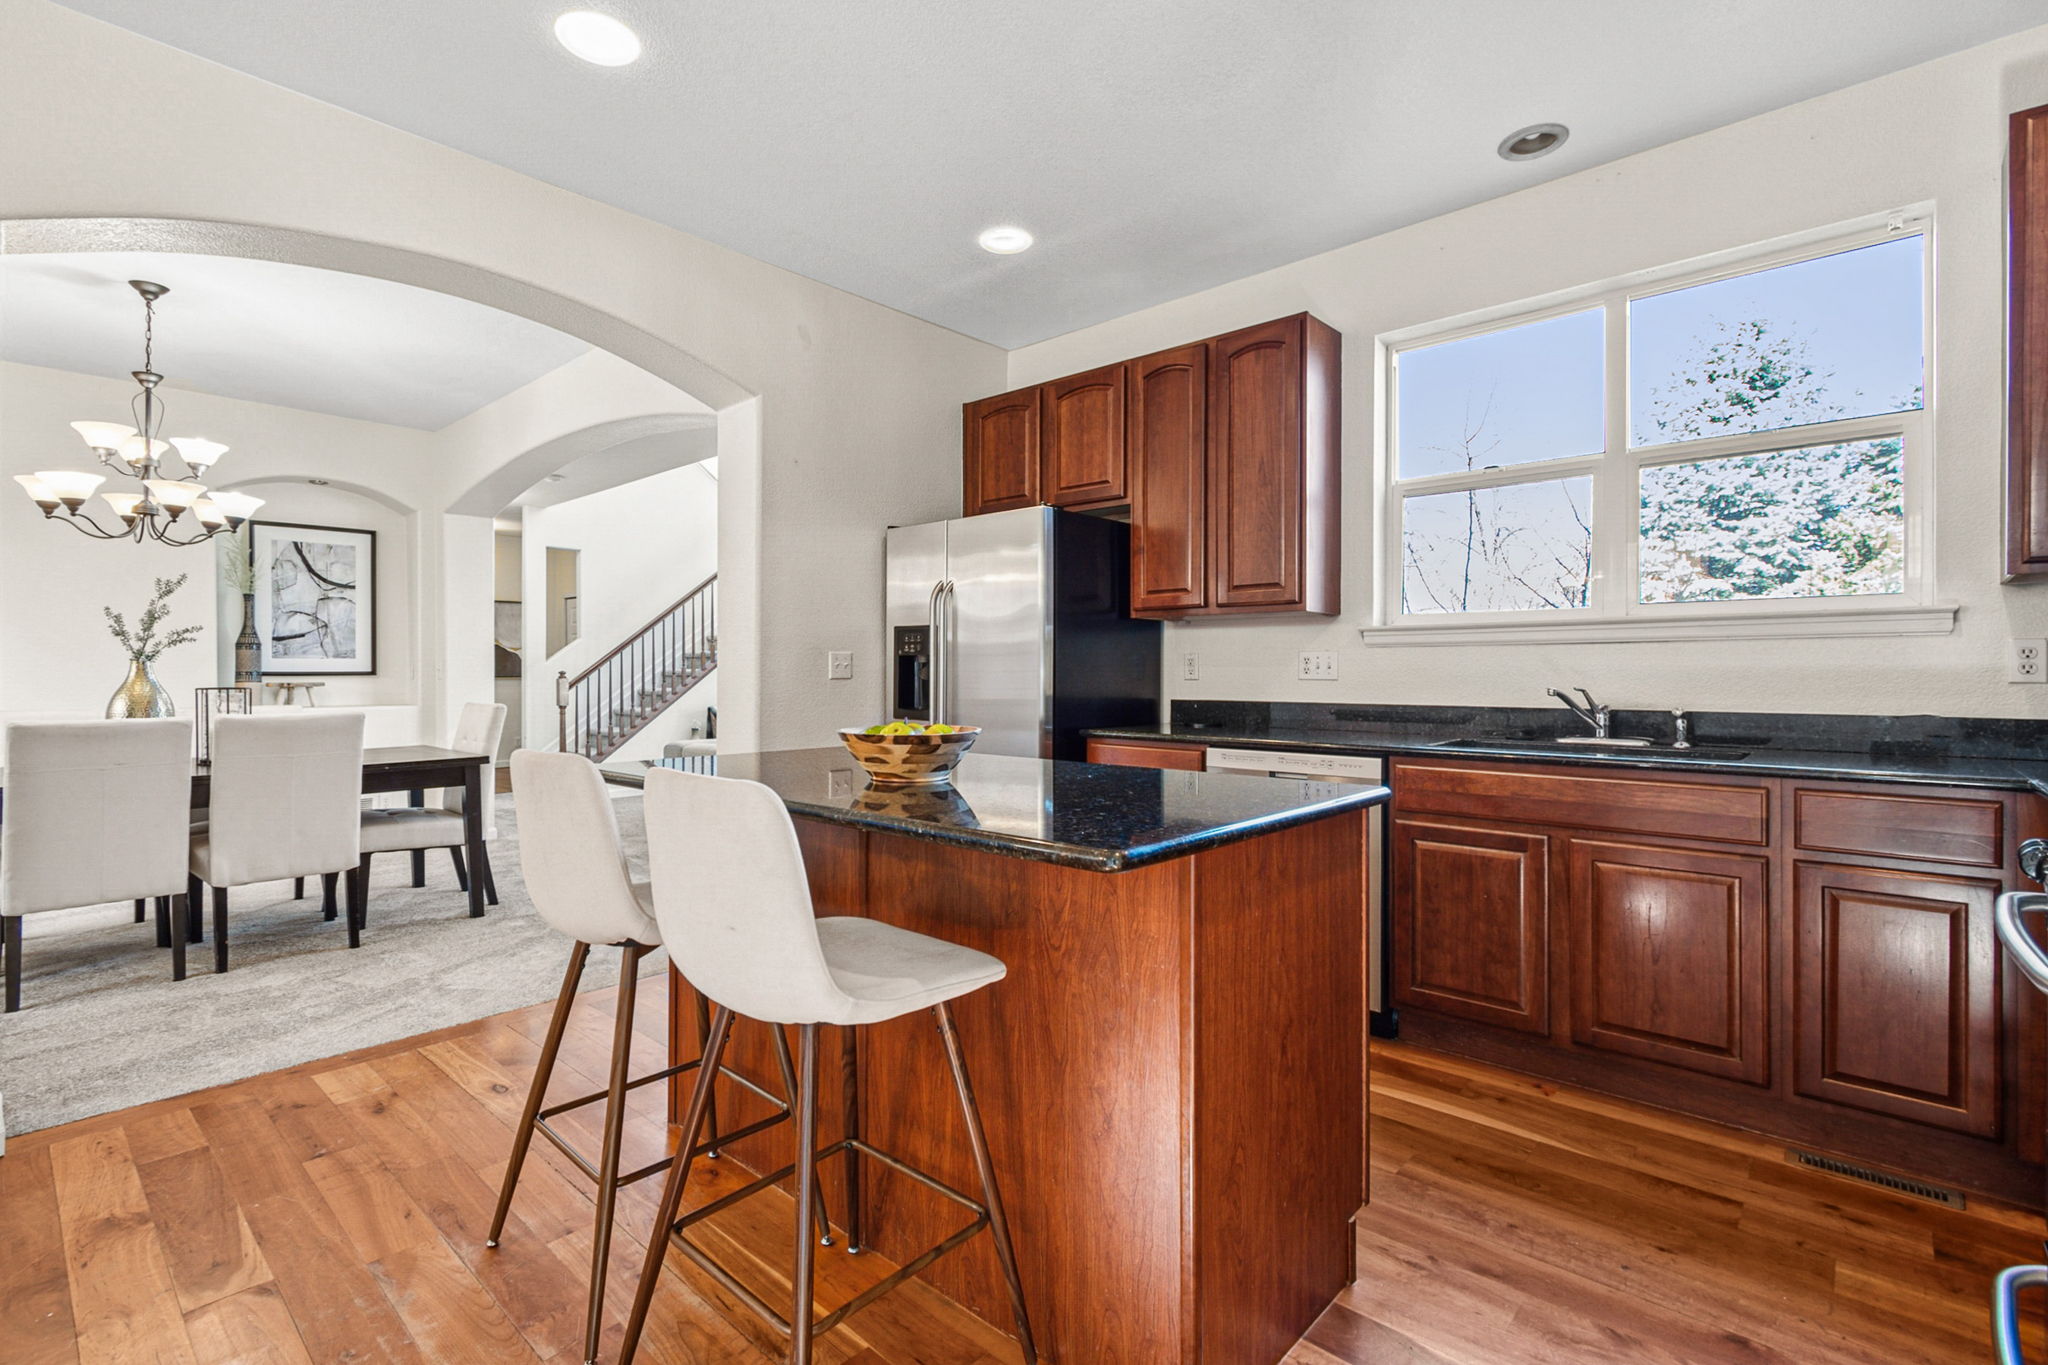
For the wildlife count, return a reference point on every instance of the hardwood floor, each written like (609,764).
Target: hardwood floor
(336,1211)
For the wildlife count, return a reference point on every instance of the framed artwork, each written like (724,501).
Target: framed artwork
(316,597)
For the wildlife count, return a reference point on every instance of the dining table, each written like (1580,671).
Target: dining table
(409,768)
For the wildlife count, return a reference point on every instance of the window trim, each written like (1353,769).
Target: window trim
(1613,613)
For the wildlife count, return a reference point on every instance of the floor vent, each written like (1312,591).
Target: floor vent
(1919,1189)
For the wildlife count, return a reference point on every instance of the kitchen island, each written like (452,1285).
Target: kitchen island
(1172,1074)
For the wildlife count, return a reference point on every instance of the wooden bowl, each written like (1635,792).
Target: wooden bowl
(909,760)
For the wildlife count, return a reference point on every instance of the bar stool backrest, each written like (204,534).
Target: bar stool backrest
(286,796)
(570,853)
(733,900)
(477,731)
(97,810)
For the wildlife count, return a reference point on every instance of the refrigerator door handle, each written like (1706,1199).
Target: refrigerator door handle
(2005,1308)
(2012,932)
(942,593)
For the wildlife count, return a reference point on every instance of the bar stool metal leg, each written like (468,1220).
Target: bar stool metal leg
(678,1177)
(800,1338)
(550,1048)
(998,1222)
(614,1131)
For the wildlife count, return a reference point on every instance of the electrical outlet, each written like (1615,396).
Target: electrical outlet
(1190,667)
(839,665)
(1318,665)
(2026,661)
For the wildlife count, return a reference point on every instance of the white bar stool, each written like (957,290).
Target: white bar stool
(575,870)
(733,901)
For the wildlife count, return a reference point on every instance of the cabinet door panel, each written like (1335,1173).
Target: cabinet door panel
(1002,448)
(1255,466)
(1668,958)
(1897,994)
(1472,923)
(1168,446)
(1084,439)
(2026,513)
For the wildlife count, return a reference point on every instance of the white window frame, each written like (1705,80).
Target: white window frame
(1613,613)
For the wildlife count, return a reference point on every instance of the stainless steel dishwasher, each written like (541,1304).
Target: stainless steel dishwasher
(2010,918)
(1318,773)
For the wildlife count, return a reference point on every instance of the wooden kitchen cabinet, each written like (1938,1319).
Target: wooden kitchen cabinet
(1137,753)
(1668,956)
(1895,976)
(1225,450)
(1082,446)
(1812,960)
(1002,452)
(1168,451)
(1472,922)
(1273,467)
(2026,454)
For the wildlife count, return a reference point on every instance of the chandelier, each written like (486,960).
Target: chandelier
(138,453)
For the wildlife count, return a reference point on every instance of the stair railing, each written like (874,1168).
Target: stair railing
(618,696)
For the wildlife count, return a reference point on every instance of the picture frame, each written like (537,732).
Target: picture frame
(315,598)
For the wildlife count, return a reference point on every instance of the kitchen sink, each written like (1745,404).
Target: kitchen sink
(1616,748)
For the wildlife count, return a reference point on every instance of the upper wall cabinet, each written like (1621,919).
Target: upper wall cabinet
(1083,449)
(1002,435)
(1225,450)
(2026,515)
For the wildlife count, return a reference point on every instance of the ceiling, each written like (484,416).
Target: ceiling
(1155,147)
(628,462)
(291,335)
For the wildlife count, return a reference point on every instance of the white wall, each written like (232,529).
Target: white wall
(641,546)
(856,418)
(55,652)
(1935,133)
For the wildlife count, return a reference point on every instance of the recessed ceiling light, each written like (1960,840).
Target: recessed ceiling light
(1538,139)
(1006,241)
(318,483)
(597,38)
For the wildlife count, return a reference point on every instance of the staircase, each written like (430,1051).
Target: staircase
(620,695)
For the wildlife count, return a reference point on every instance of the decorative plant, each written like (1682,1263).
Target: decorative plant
(142,644)
(237,566)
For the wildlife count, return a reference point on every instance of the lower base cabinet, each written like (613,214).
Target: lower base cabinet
(1814,961)
(1472,922)
(1895,979)
(1668,956)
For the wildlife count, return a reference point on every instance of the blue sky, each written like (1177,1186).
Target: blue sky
(1540,385)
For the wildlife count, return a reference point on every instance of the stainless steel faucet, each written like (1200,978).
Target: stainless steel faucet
(1593,713)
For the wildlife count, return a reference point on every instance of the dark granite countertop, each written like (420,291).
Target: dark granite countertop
(2010,774)
(1085,815)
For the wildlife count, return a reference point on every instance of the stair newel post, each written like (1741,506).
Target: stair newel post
(562,709)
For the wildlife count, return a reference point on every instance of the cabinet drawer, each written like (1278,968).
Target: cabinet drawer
(1928,829)
(1685,808)
(1134,753)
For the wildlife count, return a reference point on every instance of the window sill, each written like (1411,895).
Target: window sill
(1829,623)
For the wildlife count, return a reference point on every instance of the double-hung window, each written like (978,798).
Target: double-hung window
(1751,439)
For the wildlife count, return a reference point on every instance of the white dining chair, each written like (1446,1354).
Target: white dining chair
(574,865)
(734,904)
(415,829)
(96,811)
(284,804)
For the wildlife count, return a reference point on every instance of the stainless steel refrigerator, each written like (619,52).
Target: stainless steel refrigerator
(1019,622)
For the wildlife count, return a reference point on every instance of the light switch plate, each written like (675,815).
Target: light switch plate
(2026,661)
(839,665)
(1318,665)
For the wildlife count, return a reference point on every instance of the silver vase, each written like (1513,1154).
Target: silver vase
(140,697)
(248,647)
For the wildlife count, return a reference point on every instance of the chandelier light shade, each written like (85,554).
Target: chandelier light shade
(140,453)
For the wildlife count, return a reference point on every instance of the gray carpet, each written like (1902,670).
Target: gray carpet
(103,1026)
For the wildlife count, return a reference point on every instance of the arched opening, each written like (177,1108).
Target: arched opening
(448,578)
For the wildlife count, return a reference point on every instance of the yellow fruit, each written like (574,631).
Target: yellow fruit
(872,730)
(938,729)
(897,727)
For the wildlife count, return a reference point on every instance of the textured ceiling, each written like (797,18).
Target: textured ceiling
(1155,147)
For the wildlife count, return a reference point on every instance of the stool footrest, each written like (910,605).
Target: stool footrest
(703,1259)
(540,1123)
